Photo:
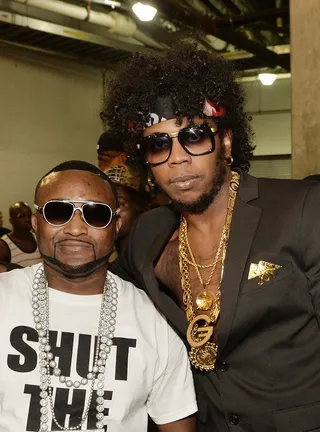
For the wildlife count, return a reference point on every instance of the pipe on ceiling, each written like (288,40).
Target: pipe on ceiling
(252,17)
(114,21)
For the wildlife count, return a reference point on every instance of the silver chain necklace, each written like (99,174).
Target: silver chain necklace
(107,321)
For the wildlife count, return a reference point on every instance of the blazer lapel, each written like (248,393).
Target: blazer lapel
(244,224)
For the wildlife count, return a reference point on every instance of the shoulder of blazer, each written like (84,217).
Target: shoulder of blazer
(159,220)
(252,188)
(248,189)
(153,230)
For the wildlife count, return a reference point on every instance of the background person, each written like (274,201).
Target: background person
(131,202)
(110,151)
(313,177)
(3,230)
(19,246)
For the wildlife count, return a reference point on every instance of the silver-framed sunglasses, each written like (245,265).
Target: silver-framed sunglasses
(60,212)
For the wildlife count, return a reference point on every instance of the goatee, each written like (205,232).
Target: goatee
(204,201)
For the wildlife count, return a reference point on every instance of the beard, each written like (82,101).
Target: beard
(75,271)
(206,199)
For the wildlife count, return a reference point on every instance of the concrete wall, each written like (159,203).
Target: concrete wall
(270,108)
(305,66)
(49,113)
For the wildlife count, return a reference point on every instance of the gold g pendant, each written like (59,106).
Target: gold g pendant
(204,358)
(199,335)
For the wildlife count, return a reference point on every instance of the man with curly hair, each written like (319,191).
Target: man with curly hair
(235,265)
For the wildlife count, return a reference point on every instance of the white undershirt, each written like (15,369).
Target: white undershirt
(147,371)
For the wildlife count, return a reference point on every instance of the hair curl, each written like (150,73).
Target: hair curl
(189,75)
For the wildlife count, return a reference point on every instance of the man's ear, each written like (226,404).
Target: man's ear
(34,222)
(122,158)
(227,144)
(118,225)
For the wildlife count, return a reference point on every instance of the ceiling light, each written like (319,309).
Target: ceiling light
(107,3)
(267,78)
(144,12)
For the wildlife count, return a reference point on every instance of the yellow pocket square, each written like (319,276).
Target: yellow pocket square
(264,270)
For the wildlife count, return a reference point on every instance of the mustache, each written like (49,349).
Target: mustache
(77,271)
(81,241)
(66,240)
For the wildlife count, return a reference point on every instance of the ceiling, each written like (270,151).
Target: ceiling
(253,33)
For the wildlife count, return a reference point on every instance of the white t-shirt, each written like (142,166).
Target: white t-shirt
(147,370)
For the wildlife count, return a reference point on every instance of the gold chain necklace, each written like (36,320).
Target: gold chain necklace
(197,265)
(200,333)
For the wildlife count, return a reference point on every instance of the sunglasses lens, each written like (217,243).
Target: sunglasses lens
(58,213)
(196,140)
(97,215)
(157,148)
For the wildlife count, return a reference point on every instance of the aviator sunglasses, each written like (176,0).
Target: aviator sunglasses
(196,140)
(60,212)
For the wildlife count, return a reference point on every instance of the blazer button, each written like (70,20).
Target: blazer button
(234,420)
(224,366)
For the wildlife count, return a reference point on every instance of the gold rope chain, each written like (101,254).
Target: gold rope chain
(217,258)
(202,266)
(200,331)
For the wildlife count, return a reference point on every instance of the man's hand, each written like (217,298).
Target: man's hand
(187,424)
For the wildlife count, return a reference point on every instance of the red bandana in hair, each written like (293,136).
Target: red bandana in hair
(212,110)
(162,110)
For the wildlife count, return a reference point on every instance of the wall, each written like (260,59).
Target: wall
(305,64)
(49,113)
(270,108)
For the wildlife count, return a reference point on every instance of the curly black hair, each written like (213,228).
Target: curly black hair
(188,74)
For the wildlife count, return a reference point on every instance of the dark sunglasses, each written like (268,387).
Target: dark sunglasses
(60,212)
(196,140)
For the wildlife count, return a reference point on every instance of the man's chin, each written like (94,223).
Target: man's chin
(192,207)
(76,270)
(201,203)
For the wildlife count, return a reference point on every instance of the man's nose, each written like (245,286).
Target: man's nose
(76,226)
(178,154)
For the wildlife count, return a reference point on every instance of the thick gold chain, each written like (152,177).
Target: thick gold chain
(203,352)
(185,277)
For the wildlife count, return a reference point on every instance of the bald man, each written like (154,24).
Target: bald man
(19,246)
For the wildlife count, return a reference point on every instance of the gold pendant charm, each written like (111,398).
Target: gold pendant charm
(264,270)
(204,358)
(204,300)
(199,335)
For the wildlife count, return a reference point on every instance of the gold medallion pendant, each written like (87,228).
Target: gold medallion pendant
(204,300)
(203,353)
(204,358)
(197,334)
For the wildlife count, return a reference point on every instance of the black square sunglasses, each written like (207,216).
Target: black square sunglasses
(196,140)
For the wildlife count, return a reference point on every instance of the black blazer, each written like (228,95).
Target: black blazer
(267,377)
